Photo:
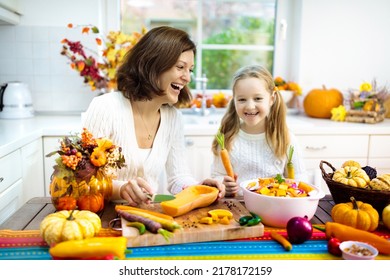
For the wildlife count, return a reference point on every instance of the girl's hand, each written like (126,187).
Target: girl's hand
(134,191)
(217,184)
(231,186)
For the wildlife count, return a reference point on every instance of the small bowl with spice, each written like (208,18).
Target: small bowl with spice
(355,250)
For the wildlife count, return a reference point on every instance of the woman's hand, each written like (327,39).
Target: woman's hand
(217,184)
(231,186)
(134,191)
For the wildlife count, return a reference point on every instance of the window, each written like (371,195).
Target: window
(228,33)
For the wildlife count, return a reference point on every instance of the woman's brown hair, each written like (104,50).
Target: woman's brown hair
(156,52)
(276,129)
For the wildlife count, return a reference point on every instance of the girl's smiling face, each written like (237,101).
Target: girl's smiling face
(173,80)
(253,103)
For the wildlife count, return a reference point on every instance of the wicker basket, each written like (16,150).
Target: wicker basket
(341,193)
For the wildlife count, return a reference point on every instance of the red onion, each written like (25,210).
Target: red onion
(299,230)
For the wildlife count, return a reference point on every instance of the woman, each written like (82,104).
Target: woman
(141,119)
(256,132)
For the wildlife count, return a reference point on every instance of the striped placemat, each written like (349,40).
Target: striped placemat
(28,245)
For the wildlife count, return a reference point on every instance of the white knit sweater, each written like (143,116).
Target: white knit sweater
(110,115)
(251,158)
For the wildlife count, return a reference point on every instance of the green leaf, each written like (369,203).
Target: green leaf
(95,29)
(279,178)
(220,139)
(290,154)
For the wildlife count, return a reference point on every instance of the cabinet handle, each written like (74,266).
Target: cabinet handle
(1,179)
(316,148)
(189,142)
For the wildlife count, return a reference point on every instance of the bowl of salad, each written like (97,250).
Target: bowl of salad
(277,200)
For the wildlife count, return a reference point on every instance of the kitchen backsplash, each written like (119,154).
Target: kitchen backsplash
(31,54)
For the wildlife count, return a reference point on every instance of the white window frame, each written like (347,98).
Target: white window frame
(286,35)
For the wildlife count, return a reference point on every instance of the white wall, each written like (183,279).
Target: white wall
(30,51)
(338,43)
(343,43)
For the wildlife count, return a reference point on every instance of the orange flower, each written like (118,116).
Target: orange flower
(84,156)
(85,30)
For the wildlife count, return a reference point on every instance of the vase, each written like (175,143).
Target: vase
(69,193)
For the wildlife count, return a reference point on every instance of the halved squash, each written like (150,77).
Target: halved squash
(190,198)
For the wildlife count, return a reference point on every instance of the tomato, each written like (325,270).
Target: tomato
(333,246)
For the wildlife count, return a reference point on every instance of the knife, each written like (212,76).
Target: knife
(157,198)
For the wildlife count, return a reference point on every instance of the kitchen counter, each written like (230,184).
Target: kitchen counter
(16,133)
(31,214)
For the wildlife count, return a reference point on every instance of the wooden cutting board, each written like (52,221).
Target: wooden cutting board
(192,231)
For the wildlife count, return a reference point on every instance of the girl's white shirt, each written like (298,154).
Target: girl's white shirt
(252,157)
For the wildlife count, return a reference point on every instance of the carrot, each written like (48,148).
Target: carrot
(345,233)
(152,226)
(167,224)
(157,214)
(290,165)
(282,240)
(224,154)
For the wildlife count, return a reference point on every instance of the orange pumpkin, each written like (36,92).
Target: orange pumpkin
(318,103)
(66,203)
(91,202)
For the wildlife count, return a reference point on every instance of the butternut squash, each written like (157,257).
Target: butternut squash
(190,198)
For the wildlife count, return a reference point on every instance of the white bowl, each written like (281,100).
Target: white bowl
(344,246)
(287,95)
(277,211)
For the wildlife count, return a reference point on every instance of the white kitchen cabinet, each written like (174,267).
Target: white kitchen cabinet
(10,184)
(32,170)
(50,144)
(21,177)
(335,149)
(11,200)
(199,155)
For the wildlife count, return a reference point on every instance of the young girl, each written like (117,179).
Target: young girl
(256,133)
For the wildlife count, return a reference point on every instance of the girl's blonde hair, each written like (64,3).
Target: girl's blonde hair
(276,130)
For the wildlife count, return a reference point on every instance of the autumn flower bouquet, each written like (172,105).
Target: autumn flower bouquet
(84,170)
(98,68)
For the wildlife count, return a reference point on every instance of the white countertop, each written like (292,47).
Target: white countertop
(17,133)
(303,125)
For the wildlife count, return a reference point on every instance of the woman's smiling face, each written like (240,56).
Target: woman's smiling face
(173,80)
(253,103)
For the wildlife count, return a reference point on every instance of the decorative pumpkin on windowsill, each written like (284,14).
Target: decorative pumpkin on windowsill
(318,103)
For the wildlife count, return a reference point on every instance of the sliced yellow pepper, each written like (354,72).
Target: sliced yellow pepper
(206,220)
(220,213)
(225,220)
